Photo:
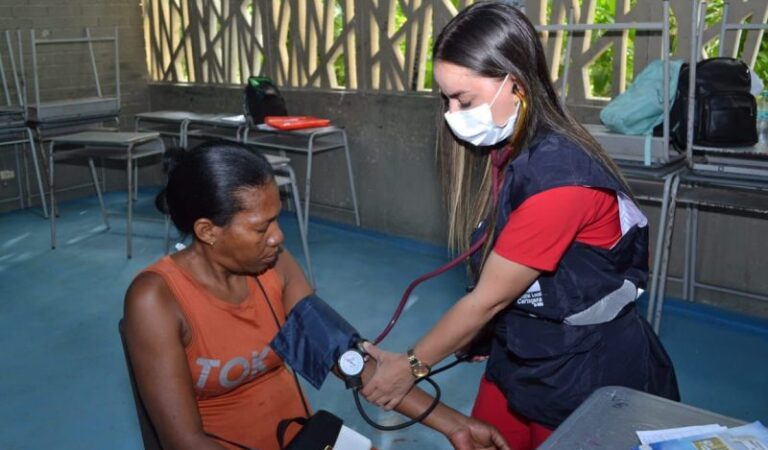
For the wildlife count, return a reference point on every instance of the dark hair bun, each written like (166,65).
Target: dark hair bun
(172,158)
(204,182)
(161,203)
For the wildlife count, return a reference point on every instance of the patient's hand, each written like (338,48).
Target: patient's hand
(473,434)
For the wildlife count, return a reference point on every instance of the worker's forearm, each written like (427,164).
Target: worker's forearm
(501,282)
(454,331)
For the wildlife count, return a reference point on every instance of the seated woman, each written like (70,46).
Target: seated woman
(198,323)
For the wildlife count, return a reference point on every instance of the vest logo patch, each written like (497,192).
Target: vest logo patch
(532,296)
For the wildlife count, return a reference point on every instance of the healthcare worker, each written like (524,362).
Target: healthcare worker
(564,251)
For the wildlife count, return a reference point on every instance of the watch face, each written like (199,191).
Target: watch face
(421,371)
(351,363)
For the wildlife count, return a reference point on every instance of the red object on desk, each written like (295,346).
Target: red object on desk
(295,122)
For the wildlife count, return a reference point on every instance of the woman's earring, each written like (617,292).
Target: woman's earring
(212,243)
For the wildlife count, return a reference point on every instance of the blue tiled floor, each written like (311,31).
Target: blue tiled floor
(64,384)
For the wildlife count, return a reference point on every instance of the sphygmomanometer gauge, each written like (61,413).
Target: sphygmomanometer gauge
(351,364)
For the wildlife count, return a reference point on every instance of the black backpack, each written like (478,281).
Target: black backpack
(261,99)
(724,112)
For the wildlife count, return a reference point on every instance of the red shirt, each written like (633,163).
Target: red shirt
(544,226)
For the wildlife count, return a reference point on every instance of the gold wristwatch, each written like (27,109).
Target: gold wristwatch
(418,368)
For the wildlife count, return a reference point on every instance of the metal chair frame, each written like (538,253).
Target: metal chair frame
(107,145)
(738,192)
(13,127)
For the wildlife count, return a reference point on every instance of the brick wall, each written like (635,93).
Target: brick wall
(65,69)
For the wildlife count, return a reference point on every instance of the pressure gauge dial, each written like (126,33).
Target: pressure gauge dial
(351,363)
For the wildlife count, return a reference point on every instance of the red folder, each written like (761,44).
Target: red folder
(295,122)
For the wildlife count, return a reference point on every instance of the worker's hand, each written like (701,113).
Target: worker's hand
(392,379)
(472,434)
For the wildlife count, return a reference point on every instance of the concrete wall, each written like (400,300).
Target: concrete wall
(65,69)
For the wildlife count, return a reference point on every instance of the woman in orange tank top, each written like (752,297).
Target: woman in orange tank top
(198,323)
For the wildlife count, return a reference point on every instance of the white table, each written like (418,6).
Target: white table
(167,123)
(183,124)
(212,125)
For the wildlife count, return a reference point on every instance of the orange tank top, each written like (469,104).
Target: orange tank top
(242,387)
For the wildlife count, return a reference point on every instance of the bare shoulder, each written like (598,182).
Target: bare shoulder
(147,291)
(286,265)
(150,303)
(295,284)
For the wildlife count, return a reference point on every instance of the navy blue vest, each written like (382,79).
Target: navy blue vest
(577,328)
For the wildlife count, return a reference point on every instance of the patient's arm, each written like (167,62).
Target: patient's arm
(464,433)
(154,336)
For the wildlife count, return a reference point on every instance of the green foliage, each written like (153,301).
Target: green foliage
(338,66)
(601,70)
(429,73)
(761,65)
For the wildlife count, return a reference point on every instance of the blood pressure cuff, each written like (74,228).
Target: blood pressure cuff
(313,338)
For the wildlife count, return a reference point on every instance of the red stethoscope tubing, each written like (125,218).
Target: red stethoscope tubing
(404,299)
(499,159)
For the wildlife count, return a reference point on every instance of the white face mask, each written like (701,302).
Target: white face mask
(476,125)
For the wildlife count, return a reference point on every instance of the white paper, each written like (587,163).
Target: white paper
(651,436)
(350,439)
